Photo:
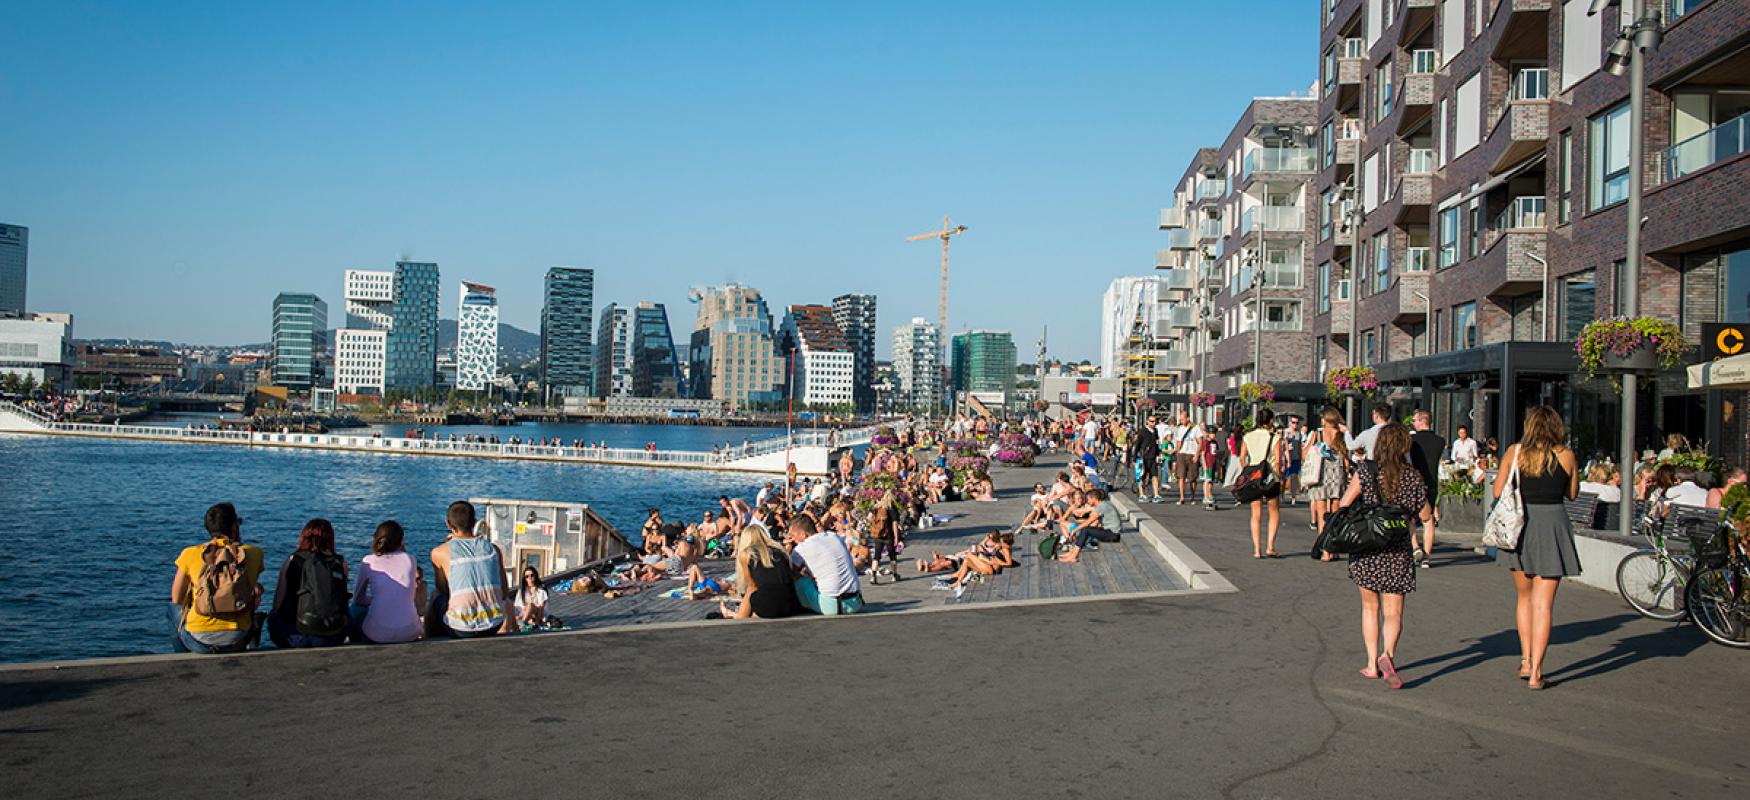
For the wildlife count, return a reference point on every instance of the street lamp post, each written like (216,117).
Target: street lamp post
(1349,194)
(1630,51)
(1257,315)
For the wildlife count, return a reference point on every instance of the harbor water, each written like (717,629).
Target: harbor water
(96,525)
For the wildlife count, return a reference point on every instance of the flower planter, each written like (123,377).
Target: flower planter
(1461,514)
(1641,359)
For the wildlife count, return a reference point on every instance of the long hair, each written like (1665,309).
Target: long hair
(1391,450)
(317,536)
(754,543)
(387,539)
(1332,419)
(1544,433)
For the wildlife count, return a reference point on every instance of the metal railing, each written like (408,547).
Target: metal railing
(1417,259)
(1707,148)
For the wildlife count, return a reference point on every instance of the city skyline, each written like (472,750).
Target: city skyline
(340,174)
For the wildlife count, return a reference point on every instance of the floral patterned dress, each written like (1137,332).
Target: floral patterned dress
(1390,571)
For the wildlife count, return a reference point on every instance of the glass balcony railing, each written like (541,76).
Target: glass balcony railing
(1350,128)
(1421,161)
(1180,238)
(1209,229)
(1709,147)
(1212,188)
(1531,84)
(1423,62)
(1280,159)
(1522,214)
(1354,48)
(1417,259)
(1280,218)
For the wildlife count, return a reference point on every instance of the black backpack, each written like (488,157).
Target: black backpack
(322,594)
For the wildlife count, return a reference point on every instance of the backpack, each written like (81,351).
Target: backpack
(1048,547)
(222,587)
(322,594)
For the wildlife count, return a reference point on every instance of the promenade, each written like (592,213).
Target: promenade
(1247,694)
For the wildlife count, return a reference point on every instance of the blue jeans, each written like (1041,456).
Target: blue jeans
(181,641)
(285,635)
(809,594)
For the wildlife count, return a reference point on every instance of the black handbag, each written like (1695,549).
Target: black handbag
(1257,481)
(1358,530)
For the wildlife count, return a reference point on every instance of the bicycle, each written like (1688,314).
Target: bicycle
(1653,579)
(1718,594)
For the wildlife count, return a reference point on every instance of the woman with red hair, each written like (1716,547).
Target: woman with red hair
(310,605)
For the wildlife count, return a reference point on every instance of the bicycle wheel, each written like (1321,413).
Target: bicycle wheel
(1653,585)
(1722,616)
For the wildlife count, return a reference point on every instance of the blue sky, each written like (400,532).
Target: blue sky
(180,163)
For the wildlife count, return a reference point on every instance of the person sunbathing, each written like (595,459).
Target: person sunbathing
(700,587)
(980,489)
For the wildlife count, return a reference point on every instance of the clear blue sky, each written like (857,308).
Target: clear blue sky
(180,163)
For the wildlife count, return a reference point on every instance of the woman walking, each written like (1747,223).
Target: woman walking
(1384,577)
(1263,445)
(1548,475)
(1328,447)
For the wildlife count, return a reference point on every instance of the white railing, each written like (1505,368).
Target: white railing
(1531,84)
(1423,62)
(1709,147)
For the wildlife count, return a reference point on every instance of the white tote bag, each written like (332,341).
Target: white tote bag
(1507,519)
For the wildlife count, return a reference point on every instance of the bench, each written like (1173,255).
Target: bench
(1584,511)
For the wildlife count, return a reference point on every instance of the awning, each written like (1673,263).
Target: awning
(1493,183)
(1727,373)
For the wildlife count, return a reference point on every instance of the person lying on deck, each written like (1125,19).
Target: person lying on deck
(980,489)
(989,557)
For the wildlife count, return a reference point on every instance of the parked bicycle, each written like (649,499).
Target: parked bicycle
(1653,579)
(1718,594)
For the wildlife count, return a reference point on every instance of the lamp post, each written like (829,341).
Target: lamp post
(1629,53)
(1257,268)
(1352,222)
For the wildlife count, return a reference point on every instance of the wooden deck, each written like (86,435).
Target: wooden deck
(1129,566)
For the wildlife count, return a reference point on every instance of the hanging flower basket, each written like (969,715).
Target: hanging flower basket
(1203,400)
(1621,344)
(1351,382)
(1257,392)
(1147,404)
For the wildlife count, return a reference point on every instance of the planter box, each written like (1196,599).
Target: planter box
(1643,359)
(1461,514)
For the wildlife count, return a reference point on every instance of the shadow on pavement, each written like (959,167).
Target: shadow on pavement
(15,695)
(1505,644)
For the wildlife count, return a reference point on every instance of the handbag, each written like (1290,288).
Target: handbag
(1257,481)
(1312,465)
(1507,519)
(1359,530)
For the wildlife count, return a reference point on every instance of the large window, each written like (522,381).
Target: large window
(1328,145)
(1325,288)
(1579,303)
(1448,222)
(1464,326)
(1325,215)
(1370,348)
(1607,158)
(1382,90)
(1381,261)
(1281,315)
(1475,226)
(1735,284)
(1565,174)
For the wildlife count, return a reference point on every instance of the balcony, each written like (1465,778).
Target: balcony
(1340,313)
(1415,193)
(1180,316)
(1418,259)
(1410,305)
(1272,219)
(1417,99)
(1211,189)
(1172,361)
(1525,213)
(1507,267)
(1520,132)
(1172,217)
(1208,229)
(1280,159)
(1524,26)
(1726,140)
(1175,283)
(1180,239)
(1414,16)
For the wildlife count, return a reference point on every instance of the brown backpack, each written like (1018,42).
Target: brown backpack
(223,584)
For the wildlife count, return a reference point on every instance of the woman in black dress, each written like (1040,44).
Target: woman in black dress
(1548,474)
(1386,576)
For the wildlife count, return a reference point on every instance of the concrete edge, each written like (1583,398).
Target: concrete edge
(1190,567)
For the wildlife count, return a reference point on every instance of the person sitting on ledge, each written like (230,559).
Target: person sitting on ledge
(216,590)
(390,591)
(310,603)
(531,601)
(472,599)
(829,585)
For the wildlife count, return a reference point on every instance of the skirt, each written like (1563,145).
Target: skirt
(1388,571)
(1546,546)
(1333,481)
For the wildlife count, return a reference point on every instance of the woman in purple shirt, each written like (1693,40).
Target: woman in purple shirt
(390,591)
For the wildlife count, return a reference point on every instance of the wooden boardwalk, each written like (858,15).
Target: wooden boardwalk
(1130,566)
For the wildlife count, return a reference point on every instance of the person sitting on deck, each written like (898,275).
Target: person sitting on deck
(1082,517)
(216,590)
(652,531)
(980,488)
(310,606)
(829,584)
(390,591)
(1102,528)
(531,601)
(763,577)
(990,556)
(472,598)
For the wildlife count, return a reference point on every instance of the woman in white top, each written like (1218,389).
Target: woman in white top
(531,601)
(1604,481)
(1262,444)
(1464,448)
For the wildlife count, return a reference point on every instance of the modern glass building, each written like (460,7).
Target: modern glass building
(855,316)
(410,358)
(14,253)
(300,340)
(613,353)
(656,370)
(983,361)
(567,322)
(476,337)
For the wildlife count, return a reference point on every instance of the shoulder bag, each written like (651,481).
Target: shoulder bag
(1256,481)
(1360,529)
(1507,519)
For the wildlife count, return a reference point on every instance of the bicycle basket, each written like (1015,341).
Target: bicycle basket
(1711,545)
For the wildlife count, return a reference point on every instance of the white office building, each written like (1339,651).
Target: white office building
(476,337)
(917,364)
(38,348)
(824,363)
(361,348)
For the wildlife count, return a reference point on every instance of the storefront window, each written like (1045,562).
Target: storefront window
(1580,303)
(1735,278)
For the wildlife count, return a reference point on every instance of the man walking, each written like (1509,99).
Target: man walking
(1425,449)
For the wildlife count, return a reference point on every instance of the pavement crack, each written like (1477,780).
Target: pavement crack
(1320,653)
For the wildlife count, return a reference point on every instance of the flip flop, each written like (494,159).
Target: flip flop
(1391,672)
(1367,675)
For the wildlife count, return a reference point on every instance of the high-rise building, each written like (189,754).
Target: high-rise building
(855,315)
(733,354)
(476,337)
(410,355)
(613,353)
(917,364)
(360,347)
(567,328)
(818,357)
(656,371)
(14,260)
(299,357)
(983,361)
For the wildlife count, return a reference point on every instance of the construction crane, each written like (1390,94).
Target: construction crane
(948,229)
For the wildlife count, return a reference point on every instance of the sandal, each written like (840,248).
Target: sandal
(1538,684)
(1525,669)
(1391,672)
(1368,673)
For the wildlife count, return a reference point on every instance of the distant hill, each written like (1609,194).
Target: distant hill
(514,344)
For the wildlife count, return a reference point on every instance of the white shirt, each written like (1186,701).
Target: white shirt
(1687,494)
(538,599)
(1363,445)
(1090,430)
(1605,492)
(829,561)
(1189,441)
(761,498)
(1464,451)
(1164,434)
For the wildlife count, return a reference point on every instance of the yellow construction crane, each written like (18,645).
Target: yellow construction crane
(948,229)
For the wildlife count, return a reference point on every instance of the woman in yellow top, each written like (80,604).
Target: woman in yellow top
(1262,444)
(218,632)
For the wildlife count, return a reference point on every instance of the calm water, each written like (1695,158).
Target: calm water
(96,525)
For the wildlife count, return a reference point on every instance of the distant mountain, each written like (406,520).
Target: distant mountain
(514,344)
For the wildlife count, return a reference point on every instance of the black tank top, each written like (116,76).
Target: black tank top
(1548,489)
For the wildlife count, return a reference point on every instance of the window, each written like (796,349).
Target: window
(1325,215)
(1448,222)
(1527,318)
(1328,69)
(1325,288)
(1327,145)
(1434,334)
(1281,315)
(1369,347)
(1467,127)
(1464,326)
(1381,261)
(1565,174)
(1579,303)
(1382,90)
(1452,30)
(1321,355)
(1607,158)
(1531,84)
(1734,282)
(1440,135)
(1618,288)
(1582,42)
(1475,223)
